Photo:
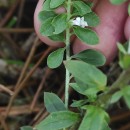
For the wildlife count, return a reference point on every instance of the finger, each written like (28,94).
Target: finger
(127,28)
(37,25)
(110,30)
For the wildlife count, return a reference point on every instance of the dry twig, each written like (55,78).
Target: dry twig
(26,78)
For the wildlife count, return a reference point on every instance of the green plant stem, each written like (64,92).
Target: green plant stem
(120,83)
(67,54)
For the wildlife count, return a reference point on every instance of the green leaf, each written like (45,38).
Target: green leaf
(26,128)
(46,28)
(124,61)
(46,5)
(78,89)
(53,103)
(55,59)
(60,23)
(95,119)
(90,92)
(129,9)
(86,35)
(58,37)
(90,4)
(116,97)
(105,126)
(126,95)
(87,90)
(80,83)
(56,3)
(92,19)
(86,73)
(124,56)
(78,103)
(58,120)
(116,2)
(44,15)
(81,7)
(92,57)
(121,48)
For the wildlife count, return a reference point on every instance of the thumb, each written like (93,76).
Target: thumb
(37,24)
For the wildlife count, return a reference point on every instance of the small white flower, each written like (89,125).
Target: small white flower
(80,22)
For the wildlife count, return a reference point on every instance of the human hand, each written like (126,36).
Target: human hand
(114,27)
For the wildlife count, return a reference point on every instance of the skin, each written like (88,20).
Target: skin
(109,31)
(114,24)
(127,28)
(37,25)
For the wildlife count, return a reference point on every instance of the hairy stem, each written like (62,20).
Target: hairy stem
(67,53)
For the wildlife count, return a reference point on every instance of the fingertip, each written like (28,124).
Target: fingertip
(37,27)
(127,28)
